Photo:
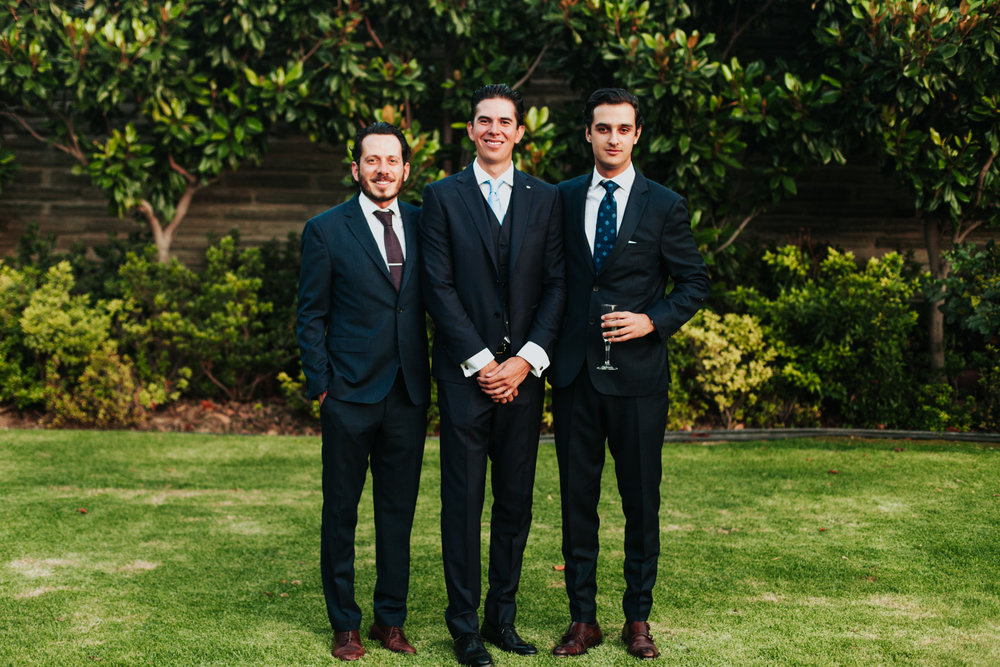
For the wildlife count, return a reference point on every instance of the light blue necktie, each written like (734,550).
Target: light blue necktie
(494,199)
(607,225)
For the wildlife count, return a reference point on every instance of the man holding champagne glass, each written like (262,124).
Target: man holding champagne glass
(625,239)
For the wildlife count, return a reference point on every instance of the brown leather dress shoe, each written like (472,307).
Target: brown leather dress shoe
(392,638)
(347,645)
(579,638)
(638,641)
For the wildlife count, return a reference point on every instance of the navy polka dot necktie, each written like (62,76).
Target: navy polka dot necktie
(607,225)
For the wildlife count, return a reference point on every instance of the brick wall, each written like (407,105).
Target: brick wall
(852,207)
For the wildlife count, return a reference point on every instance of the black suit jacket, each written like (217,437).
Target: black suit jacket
(354,330)
(464,285)
(654,244)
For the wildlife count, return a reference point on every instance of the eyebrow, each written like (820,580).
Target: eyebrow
(485,117)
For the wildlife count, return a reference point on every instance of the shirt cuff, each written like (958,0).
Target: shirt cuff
(477,362)
(536,358)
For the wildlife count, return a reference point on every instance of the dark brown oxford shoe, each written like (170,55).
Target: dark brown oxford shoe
(639,641)
(347,645)
(392,638)
(579,638)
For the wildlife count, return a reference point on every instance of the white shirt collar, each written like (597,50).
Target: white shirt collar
(623,180)
(481,175)
(368,207)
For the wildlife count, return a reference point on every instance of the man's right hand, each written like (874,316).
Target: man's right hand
(497,396)
(322,397)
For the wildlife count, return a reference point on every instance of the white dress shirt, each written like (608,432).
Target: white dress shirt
(368,207)
(595,194)
(531,352)
(506,181)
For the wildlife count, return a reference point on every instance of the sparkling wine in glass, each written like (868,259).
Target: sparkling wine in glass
(606,366)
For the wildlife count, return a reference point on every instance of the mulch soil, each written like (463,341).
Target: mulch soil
(197,416)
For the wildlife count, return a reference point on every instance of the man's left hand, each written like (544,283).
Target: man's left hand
(630,325)
(502,382)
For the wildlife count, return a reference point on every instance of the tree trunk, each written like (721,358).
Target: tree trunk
(935,319)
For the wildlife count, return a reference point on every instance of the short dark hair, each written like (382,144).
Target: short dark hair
(502,91)
(610,96)
(380,128)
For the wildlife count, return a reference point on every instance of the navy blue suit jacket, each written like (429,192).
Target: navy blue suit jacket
(464,285)
(354,330)
(654,245)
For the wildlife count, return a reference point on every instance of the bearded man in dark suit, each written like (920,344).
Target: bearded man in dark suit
(626,238)
(363,340)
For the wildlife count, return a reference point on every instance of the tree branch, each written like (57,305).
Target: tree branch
(739,229)
(982,177)
(531,70)
(739,31)
(371,31)
(73,151)
(188,176)
(959,237)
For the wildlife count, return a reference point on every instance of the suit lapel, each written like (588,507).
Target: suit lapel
(354,218)
(634,209)
(410,231)
(521,200)
(472,196)
(576,207)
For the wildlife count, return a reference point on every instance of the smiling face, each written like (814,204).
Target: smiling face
(495,132)
(612,135)
(380,170)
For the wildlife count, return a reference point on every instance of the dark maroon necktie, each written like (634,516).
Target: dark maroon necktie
(393,251)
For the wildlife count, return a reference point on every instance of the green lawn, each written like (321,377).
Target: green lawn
(141,548)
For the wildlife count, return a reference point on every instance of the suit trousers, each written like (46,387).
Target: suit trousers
(390,434)
(633,427)
(474,429)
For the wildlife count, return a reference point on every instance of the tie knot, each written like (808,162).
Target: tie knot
(610,186)
(385,217)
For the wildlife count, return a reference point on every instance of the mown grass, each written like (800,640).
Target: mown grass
(199,549)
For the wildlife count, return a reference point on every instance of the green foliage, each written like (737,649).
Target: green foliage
(20,376)
(848,330)
(82,378)
(213,323)
(989,385)
(8,166)
(921,81)
(732,361)
(972,289)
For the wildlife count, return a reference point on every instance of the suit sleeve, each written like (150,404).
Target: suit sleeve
(453,327)
(313,310)
(548,318)
(681,261)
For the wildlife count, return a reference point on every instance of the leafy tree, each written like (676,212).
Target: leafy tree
(732,136)
(921,82)
(156,100)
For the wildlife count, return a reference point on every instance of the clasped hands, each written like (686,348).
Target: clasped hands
(500,381)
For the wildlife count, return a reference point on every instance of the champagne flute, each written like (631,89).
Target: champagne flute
(606,366)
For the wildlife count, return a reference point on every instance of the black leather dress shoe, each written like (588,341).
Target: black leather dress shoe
(469,650)
(505,636)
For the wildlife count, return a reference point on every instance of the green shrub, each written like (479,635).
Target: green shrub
(84,380)
(20,375)
(731,361)
(849,331)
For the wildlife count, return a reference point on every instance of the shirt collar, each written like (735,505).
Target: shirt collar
(368,207)
(623,180)
(481,175)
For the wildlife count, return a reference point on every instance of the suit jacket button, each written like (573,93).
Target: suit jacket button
(596,288)
(399,310)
